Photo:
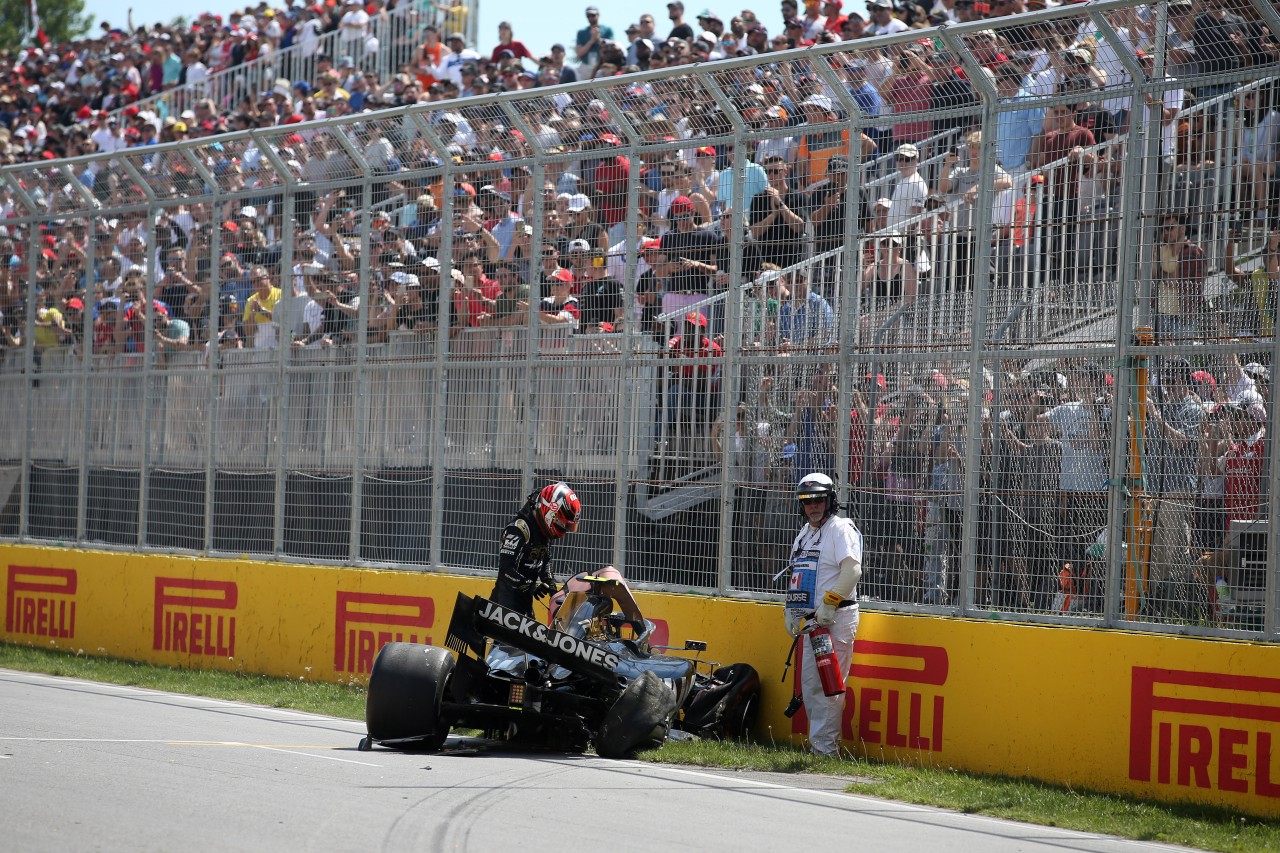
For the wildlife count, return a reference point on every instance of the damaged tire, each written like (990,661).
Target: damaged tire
(639,718)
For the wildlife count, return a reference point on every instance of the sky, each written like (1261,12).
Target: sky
(539,25)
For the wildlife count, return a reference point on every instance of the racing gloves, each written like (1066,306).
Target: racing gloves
(546,584)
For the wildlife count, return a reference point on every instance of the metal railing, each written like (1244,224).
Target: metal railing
(392,42)
(976,378)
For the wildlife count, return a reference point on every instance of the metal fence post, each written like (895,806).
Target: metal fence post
(537,178)
(624,437)
(28,388)
(443,315)
(847,290)
(1135,296)
(288,219)
(215,368)
(86,383)
(730,367)
(358,378)
(968,589)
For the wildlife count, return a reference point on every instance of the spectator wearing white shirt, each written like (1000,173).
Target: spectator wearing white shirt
(309,34)
(108,137)
(354,26)
(776,146)
(945,10)
(882,20)
(450,66)
(1107,60)
(910,192)
(813,21)
(196,72)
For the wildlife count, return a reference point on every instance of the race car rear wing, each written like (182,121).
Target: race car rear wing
(476,618)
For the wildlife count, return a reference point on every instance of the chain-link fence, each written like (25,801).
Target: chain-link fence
(1012,283)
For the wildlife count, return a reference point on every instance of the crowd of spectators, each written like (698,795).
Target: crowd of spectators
(53,97)
(215,275)
(795,204)
(1044,432)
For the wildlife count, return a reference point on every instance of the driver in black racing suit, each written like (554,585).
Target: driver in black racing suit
(524,560)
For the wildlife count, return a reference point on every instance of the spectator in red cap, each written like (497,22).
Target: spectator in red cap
(834,20)
(694,253)
(609,183)
(692,388)
(649,288)
(561,307)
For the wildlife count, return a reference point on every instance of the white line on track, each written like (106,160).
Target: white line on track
(900,806)
(193,700)
(311,754)
(292,750)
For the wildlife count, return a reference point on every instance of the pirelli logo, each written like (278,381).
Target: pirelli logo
(1205,730)
(909,714)
(896,696)
(40,602)
(364,622)
(196,617)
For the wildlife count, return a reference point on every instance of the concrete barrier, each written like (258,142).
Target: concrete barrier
(1159,717)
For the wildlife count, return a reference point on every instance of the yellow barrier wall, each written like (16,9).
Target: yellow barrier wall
(1160,717)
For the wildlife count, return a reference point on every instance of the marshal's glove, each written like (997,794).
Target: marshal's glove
(794,621)
(825,615)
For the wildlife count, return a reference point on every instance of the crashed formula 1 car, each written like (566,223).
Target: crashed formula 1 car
(590,677)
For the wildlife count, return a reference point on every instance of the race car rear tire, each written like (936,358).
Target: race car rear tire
(639,718)
(406,687)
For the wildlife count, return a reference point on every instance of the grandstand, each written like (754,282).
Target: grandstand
(1013,278)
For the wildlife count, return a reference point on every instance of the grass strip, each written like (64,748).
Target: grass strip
(1015,799)
(1026,800)
(300,694)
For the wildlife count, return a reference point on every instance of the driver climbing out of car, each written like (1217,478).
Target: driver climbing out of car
(524,559)
(825,565)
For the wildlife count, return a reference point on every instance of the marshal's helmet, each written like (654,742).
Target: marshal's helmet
(558,510)
(817,485)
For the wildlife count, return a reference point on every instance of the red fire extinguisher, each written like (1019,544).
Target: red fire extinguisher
(824,657)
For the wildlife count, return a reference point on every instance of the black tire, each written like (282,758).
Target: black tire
(640,717)
(742,703)
(406,687)
(743,720)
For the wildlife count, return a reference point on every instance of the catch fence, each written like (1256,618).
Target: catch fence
(1035,360)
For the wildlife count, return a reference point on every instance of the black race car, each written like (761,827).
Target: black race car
(589,678)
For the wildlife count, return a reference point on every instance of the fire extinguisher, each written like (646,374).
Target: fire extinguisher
(824,658)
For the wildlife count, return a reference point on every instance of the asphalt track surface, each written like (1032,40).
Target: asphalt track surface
(99,767)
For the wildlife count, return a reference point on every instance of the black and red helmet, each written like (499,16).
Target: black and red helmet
(558,510)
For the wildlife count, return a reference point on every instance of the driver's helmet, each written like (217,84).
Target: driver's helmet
(558,509)
(816,485)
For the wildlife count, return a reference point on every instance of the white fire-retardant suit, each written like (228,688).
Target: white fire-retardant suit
(822,551)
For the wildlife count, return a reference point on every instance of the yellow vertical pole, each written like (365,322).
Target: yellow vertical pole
(1139,532)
